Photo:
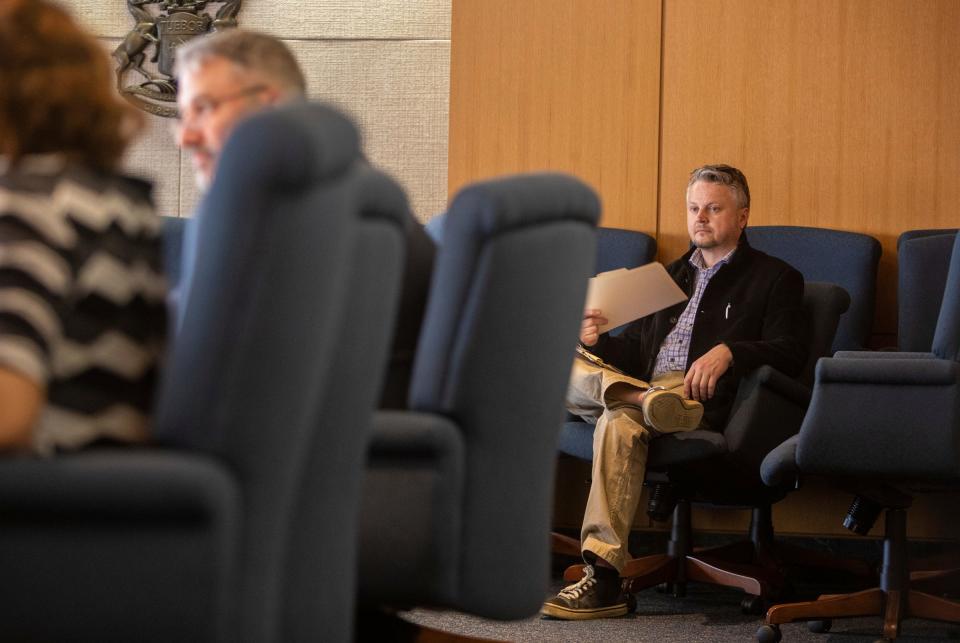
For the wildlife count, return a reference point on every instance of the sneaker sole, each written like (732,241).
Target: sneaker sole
(566,614)
(671,413)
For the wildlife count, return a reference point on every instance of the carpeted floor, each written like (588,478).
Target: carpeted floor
(705,615)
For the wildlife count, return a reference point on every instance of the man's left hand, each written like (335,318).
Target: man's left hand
(700,382)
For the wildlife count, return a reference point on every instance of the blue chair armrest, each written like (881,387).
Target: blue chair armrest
(882,355)
(779,468)
(769,409)
(891,418)
(129,484)
(411,517)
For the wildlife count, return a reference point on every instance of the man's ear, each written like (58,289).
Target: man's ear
(744,216)
(272,95)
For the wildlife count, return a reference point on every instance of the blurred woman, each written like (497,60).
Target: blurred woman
(81,289)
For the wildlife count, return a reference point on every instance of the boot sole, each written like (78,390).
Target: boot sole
(672,413)
(567,614)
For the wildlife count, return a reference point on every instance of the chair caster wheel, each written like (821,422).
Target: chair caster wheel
(665,588)
(631,604)
(769,634)
(820,627)
(679,590)
(753,605)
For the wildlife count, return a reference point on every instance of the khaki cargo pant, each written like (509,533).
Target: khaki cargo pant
(620,442)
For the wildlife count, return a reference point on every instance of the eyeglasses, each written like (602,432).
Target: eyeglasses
(203,106)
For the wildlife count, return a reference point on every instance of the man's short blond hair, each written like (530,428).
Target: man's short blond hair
(724,175)
(257,52)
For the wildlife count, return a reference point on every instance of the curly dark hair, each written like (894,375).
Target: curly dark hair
(58,94)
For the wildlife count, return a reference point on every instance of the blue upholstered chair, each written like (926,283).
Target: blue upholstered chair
(615,249)
(323,540)
(923,257)
(188,541)
(848,259)
(618,248)
(434,227)
(458,488)
(885,426)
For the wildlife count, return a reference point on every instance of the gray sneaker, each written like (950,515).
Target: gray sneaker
(590,597)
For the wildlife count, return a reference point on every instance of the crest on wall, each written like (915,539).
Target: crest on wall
(145,57)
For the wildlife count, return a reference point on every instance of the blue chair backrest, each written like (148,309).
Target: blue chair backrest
(174,229)
(848,259)
(260,326)
(434,227)
(618,248)
(923,258)
(501,321)
(946,339)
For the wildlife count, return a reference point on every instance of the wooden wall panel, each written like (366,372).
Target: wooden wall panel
(559,85)
(842,114)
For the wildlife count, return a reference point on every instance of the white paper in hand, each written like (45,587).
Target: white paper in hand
(624,295)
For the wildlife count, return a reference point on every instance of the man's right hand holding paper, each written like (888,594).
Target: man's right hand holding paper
(590,327)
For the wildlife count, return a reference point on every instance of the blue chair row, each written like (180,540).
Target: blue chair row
(188,540)
(240,523)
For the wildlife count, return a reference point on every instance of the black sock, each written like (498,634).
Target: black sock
(605,573)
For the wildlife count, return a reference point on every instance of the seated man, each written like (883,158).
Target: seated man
(744,311)
(227,76)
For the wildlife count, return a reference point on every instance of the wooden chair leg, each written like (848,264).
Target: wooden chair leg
(565,545)
(866,603)
(935,582)
(726,574)
(648,571)
(921,605)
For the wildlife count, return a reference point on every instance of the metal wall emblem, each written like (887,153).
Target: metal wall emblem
(161,26)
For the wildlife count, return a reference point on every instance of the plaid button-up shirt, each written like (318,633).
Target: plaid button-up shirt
(676,345)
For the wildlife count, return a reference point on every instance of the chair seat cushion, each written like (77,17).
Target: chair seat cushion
(576,439)
(688,447)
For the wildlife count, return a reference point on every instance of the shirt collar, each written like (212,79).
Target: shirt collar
(696,260)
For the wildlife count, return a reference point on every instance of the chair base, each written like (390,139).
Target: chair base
(756,566)
(898,597)
(893,606)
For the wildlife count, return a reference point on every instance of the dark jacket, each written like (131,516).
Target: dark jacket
(754,305)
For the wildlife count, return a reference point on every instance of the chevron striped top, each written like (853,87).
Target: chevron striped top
(81,298)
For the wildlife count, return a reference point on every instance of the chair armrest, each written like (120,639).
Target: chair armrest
(882,355)
(411,511)
(893,371)
(407,434)
(896,418)
(768,409)
(779,468)
(124,483)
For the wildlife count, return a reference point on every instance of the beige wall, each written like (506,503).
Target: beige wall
(386,62)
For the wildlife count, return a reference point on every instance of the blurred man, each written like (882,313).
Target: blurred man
(227,76)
